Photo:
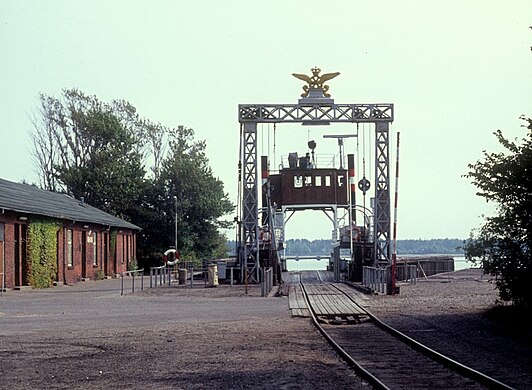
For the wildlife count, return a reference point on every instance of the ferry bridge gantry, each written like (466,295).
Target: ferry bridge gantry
(314,108)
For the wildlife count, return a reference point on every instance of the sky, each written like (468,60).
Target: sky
(455,71)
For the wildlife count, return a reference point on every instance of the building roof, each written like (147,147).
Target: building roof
(25,198)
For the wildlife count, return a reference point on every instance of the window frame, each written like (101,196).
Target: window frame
(95,249)
(70,248)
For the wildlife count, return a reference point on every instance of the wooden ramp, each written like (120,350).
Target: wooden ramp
(296,302)
(327,302)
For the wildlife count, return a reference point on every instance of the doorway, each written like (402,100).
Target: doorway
(106,254)
(83,254)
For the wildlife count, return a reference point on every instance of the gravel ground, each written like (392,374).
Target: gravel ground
(87,336)
(451,313)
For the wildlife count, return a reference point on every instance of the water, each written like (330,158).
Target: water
(308,265)
(460,262)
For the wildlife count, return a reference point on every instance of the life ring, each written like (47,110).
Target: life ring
(176,256)
(265,236)
(356,233)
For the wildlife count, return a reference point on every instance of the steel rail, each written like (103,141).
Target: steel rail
(361,371)
(446,361)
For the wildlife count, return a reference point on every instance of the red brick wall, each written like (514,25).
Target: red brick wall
(73,274)
(9,249)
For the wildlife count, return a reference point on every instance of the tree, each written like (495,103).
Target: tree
(99,150)
(91,150)
(201,201)
(504,241)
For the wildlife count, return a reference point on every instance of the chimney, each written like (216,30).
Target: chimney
(82,201)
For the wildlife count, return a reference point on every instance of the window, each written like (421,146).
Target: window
(308,181)
(327,181)
(69,248)
(318,181)
(298,181)
(95,248)
(128,257)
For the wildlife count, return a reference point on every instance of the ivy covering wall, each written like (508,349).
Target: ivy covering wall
(42,252)
(112,243)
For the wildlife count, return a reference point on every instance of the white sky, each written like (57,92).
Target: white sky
(455,70)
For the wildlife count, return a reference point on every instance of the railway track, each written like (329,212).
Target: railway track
(380,354)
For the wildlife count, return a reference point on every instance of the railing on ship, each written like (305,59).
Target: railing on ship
(376,278)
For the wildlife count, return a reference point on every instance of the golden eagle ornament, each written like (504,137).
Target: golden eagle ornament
(316,81)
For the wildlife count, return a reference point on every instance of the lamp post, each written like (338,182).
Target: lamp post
(175,200)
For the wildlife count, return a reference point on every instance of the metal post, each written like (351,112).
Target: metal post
(175,199)
(394,252)
(262,282)
(191,277)
(231,276)
(142,281)
(133,282)
(250,200)
(382,196)
(122,285)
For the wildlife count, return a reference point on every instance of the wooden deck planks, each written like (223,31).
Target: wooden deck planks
(296,302)
(325,300)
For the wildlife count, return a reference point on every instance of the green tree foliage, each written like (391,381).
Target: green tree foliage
(503,243)
(427,247)
(185,187)
(304,247)
(91,150)
(42,252)
(99,151)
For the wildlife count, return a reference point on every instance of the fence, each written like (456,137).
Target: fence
(168,274)
(160,274)
(132,274)
(410,273)
(375,278)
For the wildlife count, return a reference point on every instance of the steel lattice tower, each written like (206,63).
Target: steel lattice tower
(316,109)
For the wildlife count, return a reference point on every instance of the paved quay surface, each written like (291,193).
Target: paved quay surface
(87,336)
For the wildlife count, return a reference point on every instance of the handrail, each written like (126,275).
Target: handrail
(132,273)
(163,274)
(266,284)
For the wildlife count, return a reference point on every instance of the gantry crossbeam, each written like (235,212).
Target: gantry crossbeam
(275,113)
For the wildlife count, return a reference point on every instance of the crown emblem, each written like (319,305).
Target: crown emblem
(315,81)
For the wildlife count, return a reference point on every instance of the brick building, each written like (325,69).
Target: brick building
(90,243)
